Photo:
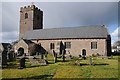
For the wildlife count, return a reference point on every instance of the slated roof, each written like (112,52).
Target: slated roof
(5,45)
(28,41)
(71,32)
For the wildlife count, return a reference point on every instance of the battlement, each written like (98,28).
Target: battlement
(31,18)
(29,7)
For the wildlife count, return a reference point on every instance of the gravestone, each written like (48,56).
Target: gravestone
(55,56)
(63,56)
(42,62)
(38,61)
(91,61)
(77,63)
(22,63)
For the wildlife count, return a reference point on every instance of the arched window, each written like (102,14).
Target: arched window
(20,51)
(84,52)
(26,15)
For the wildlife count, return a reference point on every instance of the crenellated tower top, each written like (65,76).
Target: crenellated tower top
(31,18)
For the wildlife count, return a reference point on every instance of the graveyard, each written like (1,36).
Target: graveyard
(72,68)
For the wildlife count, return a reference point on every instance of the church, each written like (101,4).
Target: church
(76,41)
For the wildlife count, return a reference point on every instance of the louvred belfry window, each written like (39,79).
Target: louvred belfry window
(26,15)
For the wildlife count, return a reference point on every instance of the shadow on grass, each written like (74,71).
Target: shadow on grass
(52,61)
(42,77)
(10,66)
(102,64)
(17,66)
(64,61)
(84,64)
(32,66)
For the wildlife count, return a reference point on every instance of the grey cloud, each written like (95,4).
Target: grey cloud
(76,14)
(10,17)
(9,36)
(61,14)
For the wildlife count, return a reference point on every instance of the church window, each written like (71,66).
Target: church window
(52,46)
(93,45)
(26,15)
(67,44)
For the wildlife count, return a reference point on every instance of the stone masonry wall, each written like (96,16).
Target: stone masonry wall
(77,45)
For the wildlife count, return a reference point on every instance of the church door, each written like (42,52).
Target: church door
(20,51)
(84,52)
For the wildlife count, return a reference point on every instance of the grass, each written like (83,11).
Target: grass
(104,68)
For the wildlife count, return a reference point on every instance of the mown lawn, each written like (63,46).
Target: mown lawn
(103,68)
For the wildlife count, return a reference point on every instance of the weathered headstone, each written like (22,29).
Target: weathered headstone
(3,58)
(22,63)
(91,61)
(77,63)
(55,56)
(38,61)
(63,56)
(42,62)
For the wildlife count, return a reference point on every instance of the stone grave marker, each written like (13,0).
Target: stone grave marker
(91,61)
(22,63)
(55,56)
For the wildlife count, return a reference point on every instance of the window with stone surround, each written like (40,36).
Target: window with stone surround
(52,46)
(68,45)
(93,45)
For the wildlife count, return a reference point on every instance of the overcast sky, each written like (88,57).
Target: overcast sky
(61,14)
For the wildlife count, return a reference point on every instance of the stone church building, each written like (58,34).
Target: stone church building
(83,40)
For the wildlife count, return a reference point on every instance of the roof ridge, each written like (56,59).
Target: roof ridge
(72,32)
(71,27)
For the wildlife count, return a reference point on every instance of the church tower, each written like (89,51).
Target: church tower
(31,18)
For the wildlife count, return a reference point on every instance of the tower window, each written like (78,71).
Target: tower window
(26,15)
